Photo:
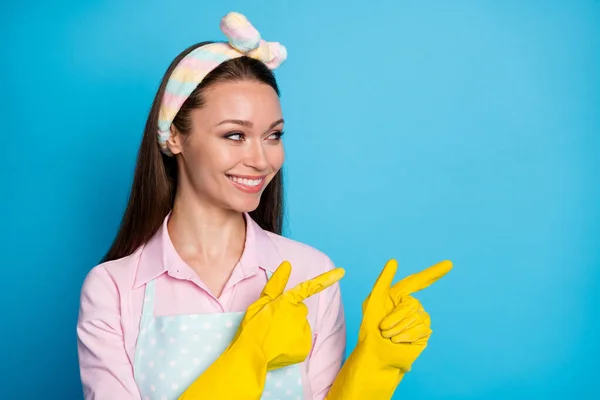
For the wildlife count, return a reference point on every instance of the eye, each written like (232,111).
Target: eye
(235,136)
(275,136)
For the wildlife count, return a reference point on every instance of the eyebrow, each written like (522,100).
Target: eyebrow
(248,124)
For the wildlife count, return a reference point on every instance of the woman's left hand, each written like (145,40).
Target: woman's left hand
(393,333)
(395,326)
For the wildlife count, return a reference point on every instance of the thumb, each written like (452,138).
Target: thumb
(381,289)
(276,284)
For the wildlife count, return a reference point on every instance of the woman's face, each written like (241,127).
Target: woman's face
(234,149)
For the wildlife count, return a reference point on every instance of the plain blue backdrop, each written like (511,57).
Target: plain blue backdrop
(420,130)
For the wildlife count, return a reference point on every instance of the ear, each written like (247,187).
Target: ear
(174,142)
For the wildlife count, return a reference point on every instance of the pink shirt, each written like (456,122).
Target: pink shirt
(112,298)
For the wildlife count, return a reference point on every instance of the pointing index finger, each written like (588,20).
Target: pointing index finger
(421,280)
(313,286)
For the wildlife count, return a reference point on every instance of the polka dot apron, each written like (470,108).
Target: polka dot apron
(172,351)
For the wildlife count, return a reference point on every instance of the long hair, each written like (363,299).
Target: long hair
(155,177)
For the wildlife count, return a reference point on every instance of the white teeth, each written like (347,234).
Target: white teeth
(246,182)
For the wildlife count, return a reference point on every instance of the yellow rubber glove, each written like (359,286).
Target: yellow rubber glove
(393,333)
(273,333)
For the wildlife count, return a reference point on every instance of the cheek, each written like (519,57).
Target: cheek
(208,158)
(276,157)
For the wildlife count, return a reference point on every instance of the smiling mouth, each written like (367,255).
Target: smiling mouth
(247,184)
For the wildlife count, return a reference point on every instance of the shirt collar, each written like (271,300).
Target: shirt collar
(159,256)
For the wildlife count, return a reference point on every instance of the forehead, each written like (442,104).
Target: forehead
(247,100)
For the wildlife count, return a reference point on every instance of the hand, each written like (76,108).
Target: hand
(276,323)
(273,333)
(395,327)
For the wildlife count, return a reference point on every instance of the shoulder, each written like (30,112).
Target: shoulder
(118,272)
(105,283)
(311,260)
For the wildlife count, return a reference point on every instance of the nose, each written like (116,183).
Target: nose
(256,156)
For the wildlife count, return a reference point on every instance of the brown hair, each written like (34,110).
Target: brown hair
(155,178)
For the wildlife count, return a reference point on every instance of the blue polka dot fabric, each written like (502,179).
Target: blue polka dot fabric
(172,351)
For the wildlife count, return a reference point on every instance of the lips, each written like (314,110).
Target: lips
(247,184)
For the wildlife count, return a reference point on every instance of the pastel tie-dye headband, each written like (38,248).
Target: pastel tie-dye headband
(243,40)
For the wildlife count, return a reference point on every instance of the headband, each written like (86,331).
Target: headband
(242,40)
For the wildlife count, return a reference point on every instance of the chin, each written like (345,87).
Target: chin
(245,205)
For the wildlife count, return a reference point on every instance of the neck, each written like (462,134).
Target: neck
(208,235)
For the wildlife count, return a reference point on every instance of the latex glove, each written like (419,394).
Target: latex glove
(393,333)
(273,333)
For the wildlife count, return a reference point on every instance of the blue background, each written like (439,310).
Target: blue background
(421,130)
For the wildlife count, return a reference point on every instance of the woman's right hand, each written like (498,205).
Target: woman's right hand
(274,333)
(276,324)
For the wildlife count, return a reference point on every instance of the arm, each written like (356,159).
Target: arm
(106,371)
(243,363)
(327,355)
(365,377)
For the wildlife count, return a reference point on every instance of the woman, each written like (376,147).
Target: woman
(183,299)
(201,234)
